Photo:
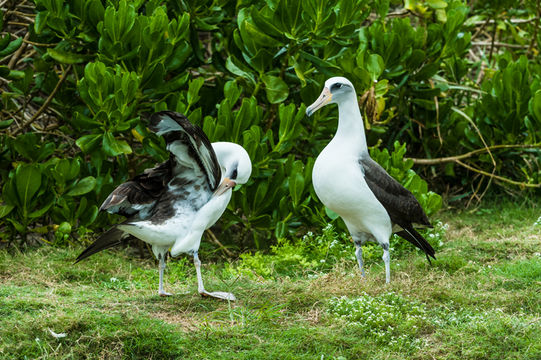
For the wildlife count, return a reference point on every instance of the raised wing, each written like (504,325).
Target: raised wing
(139,195)
(189,145)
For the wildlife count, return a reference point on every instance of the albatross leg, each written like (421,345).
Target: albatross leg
(161,266)
(359,239)
(387,260)
(359,255)
(216,294)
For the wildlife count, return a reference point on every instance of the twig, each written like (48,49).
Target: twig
(492,41)
(474,195)
(18,53)
(38,44)
(536,27)
(512,21)
(220,245)
(497,177)
(465,116)
(497,43)
(45,104)
(478,31)
(437,114)
(447,159)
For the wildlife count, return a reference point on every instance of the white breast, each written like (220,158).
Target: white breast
(339,183)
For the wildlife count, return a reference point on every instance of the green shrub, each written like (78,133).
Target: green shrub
(243,71)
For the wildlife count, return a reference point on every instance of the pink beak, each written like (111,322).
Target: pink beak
(226,184)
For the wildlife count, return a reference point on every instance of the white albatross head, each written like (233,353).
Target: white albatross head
(337,89)
(235,164)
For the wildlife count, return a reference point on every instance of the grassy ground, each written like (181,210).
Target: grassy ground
(480,300)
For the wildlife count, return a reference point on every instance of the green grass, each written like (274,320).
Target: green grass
(481,299)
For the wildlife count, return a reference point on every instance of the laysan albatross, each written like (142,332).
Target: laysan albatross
(172,204)
(372,204)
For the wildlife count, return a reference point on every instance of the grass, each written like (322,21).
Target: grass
(480,300)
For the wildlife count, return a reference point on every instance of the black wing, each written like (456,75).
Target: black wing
(192,157)
(110,238)
(188,143)
(139,195)
(402,207)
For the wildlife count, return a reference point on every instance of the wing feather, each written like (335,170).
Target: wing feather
(188,143)
(139,195)
(402,207)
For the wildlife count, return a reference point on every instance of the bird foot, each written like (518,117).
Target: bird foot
(164,294)
(218,295)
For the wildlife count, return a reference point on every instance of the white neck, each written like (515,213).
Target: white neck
(350,130)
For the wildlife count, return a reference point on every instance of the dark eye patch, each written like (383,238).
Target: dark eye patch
(234,174)
(336,86)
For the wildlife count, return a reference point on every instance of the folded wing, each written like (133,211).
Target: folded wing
(402,207)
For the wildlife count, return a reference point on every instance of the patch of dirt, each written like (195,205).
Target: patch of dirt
(186,322)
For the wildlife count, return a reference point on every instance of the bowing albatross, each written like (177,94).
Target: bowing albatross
(372,203)
(172,204)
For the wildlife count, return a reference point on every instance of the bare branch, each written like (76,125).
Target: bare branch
(497,177)
(45,104)
(447,159)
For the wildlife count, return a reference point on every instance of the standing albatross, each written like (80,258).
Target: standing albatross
(372,203)
(172,204)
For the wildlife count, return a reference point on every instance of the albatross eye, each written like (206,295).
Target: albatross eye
(234,174)
(336,86)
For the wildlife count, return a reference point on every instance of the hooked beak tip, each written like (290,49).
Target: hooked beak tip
(226,184)
(321,101)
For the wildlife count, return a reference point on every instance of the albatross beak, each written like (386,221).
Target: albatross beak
(226,184)
(321,101)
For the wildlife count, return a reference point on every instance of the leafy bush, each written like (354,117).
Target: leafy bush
(79,88)
(320,253)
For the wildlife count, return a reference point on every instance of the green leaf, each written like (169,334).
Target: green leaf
(5,123)
(276,89)
(5,209)
(535,106)
(18,226)
(40,212)
(264,24)
(11,48)
(441,15)
(89,216)
(331,214)
(27,183)
(436,4)
(88,143)
(114,146)
(64,228)
(40,21)
(375,66)
(233,65)
(260,194)
(250,32)
(65,57)
(296,182)
(82,187)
